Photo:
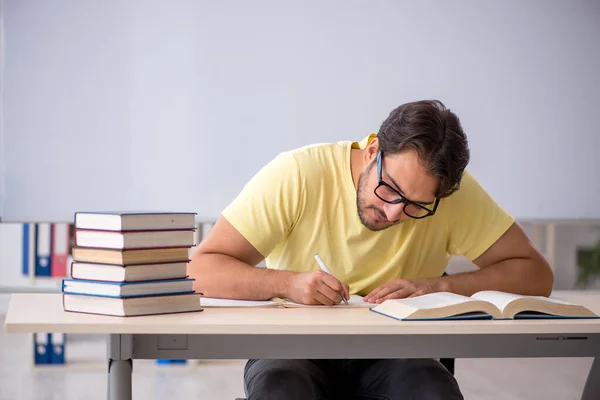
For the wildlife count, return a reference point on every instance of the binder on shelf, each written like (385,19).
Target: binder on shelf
(41,348)
(43,249)
(161,361)
(57,355)
(28,248)
(60,249)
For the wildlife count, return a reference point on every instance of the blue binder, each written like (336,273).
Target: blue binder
(28,249)
(41,348)
(43,249)
(57,355)
(169,361)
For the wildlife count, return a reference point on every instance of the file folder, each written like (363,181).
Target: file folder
(43,247)
(60,249)
(28,248)
(57,341)
(41,350)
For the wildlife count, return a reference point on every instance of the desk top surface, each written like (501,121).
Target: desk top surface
(29,313)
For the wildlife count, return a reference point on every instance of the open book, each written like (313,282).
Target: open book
(483,305)
(355,301)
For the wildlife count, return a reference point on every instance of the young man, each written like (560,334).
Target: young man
(385,215)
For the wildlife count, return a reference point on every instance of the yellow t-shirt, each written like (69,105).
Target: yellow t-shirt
(303,202)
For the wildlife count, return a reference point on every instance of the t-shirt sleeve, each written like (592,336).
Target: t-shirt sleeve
(475,221)
(269,205)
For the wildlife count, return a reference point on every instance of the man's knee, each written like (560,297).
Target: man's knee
(278,379)
(411,378)
(429,379)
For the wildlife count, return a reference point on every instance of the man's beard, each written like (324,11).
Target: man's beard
(361,205)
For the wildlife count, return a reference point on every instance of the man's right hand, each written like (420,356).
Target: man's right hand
(316,287)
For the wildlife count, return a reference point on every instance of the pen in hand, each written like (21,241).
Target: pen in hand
(325,269)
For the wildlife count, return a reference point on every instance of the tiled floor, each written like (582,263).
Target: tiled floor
(84,376)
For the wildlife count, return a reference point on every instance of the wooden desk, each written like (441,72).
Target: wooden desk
(309,333)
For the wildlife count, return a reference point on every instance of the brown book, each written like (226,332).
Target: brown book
(131,257)
(128,273)
(135,306)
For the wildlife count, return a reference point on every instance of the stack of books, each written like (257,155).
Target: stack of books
(131,264)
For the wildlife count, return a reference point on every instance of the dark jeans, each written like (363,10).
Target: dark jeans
(362,379)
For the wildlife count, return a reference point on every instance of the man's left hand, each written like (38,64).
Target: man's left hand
(402,288)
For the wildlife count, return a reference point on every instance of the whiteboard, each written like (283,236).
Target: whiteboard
(175,105)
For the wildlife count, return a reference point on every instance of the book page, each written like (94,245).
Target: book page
(355,301)
(433,300)
(550,300)
(503,299)
(499,299)
(215,302)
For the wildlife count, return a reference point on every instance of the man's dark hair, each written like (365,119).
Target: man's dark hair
(434,132)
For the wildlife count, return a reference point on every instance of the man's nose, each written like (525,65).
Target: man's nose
(393,212)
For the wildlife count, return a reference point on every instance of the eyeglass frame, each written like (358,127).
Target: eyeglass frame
(401,199)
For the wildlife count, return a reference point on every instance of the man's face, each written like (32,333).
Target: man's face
(405,174)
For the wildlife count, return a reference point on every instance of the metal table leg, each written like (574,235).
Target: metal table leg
(120,367)
(591,391)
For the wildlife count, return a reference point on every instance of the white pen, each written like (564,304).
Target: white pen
(325,269)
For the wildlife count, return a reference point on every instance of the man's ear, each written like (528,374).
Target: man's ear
(371,151)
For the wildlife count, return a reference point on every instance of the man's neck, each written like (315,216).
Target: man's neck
(356,165)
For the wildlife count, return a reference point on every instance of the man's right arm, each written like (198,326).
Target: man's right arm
(224,267)
(250,227)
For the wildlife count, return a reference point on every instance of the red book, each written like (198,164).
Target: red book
(60,249)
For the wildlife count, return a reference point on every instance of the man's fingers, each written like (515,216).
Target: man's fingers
(320,299)
(374,293)
(323,299)
(328,292)
(382,293)
(397,294)
(332,282)
(338,287)
(346,291)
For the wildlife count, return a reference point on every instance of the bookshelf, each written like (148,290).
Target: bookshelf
(12,279)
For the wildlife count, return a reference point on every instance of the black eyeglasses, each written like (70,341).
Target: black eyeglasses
(391,196)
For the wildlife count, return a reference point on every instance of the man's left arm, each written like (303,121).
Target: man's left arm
(510,263)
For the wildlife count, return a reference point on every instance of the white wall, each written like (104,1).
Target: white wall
(174,105)
(67,139)
(562,256)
